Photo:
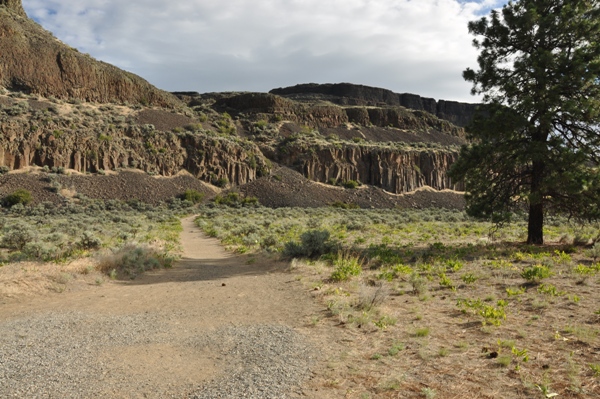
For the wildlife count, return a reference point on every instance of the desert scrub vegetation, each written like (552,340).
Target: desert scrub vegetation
(120,238)
(445,287)
(20,196)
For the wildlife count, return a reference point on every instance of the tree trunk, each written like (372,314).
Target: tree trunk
(535,228)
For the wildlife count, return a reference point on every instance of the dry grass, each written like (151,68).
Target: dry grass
(28,279)
(535,352)
(131,260)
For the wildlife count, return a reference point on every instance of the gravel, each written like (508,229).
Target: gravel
(269,360)
(59,355)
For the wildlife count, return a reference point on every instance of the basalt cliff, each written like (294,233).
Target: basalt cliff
(33,61)
(61,110)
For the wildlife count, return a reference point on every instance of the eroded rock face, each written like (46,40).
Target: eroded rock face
(394,170)
(88,147)
(321,116)
(33,61)
(458,113)
(15,6)
(202,139)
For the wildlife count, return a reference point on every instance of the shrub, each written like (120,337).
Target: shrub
(132,260)
(21,196)
(536,273)
(193,196)
(490,314)
(4,170)
(234,199)
(351,184)
(370,297)
(346,266)
(55,186)
(17,237)
(418,283)
(269,241)
(42,250)
(220,182)
(344,205)
(89,241)
(313,243)
(292,249)
(594,252)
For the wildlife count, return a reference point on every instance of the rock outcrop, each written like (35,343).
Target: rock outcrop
(88,140)
(14,6)
(458,113)
(337,132)
(394,170)
(322,116)
(34,61)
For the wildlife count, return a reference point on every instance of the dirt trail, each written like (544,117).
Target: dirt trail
(206,291)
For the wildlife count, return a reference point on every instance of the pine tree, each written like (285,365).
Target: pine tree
(535,143)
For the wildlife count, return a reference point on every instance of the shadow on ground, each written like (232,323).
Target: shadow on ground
(189,269)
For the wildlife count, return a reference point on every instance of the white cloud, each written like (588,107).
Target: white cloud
(211,45)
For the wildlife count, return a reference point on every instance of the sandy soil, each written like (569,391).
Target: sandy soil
(205,291)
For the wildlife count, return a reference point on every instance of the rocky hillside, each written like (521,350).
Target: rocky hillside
(458,113)
(96,138)
(390,147)
(232,139)
(33,61)
(62,111)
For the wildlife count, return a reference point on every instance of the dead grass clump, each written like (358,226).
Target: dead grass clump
(370,297)
(132,260)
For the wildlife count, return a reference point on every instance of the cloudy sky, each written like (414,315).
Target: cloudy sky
(408,46)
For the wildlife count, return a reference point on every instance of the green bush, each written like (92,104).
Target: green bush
(220,182)
(89,241)
(17,237)
(293,249)
(351,184)
(193,196)
(42,251)
(344,205)
(313,243)
(346,266)
(21,196)
(269,242)
(233,199)
(536,273)
(490,314)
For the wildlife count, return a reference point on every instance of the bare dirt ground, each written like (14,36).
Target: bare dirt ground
(160,335)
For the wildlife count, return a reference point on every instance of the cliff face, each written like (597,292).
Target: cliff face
(14,6)
(455,112)
(87,140)
(33,61)
(387,146)
(413,150)
(394,170)
(398,142)
(323,116)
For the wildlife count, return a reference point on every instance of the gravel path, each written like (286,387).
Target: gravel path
(215,326)
(270,361)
